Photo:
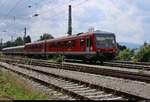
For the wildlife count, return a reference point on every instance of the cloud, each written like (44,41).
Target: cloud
(129,20)
(119,17)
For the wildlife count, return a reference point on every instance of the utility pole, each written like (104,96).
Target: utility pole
(70,21)
(1,43)
(25,32)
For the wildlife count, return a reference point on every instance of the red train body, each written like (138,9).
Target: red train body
(94,46)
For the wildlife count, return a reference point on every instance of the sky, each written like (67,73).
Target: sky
(128,19)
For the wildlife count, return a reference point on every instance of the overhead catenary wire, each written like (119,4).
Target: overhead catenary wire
(11,10)
(62,11)
(53,8)
(55,15)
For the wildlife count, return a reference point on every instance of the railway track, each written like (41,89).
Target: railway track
(130,62)
(132,74)
(115,63)
(77,89)
(79,68)
(130,65)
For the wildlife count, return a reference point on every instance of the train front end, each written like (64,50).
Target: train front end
(106,47)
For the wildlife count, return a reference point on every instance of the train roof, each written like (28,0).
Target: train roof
(15,47)
(66,37)
(102,32)
(36,42)
(72,36)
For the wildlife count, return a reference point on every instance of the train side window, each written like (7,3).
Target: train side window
(50,44)
(62,44)
(36,46)
(73,42)
(40,46)
(55,44)
(58,44)
(66,44)
(81,42)
(69,43)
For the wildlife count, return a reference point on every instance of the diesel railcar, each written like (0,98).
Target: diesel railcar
(93,46)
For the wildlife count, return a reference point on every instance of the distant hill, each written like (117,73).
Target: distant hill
(130,45)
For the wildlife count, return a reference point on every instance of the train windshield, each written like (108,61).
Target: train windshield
(105,41)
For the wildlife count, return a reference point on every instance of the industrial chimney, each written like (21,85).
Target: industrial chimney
(70,21)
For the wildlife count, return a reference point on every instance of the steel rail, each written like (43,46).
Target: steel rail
(77,89)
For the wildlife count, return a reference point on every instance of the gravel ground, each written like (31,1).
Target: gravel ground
(124,85)
(142,71)
(50,92)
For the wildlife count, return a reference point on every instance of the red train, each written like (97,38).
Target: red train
(93,46)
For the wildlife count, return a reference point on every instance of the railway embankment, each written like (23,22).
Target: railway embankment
(136,88)
(12,88)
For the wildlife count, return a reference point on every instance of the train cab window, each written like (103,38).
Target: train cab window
(81,42)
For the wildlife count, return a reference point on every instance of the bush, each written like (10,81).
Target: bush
(125,55)
(143,55)
(59,58)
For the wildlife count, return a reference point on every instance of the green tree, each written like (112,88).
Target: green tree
(45,36)
(143,55)
(125,55)
(19,41)
(121,47)
(27,39)
(8,44)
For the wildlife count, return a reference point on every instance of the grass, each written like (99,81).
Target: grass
(14,89)
(58,58)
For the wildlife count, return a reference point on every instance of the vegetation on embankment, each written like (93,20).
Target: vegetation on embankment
(14,89)
(141,54)
(57,58)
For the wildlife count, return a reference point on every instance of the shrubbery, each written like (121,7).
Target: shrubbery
(125,55)
(142,54)
(59,58)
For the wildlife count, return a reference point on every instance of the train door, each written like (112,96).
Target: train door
(87,43)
